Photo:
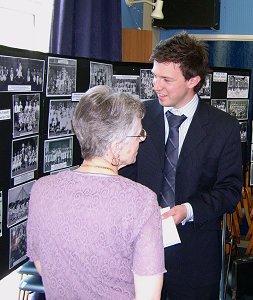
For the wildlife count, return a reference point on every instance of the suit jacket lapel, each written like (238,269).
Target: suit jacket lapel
(196,132)
(155,129)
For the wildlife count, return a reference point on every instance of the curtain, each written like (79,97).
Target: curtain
(87,28)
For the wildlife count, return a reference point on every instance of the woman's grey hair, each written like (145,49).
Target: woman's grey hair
(103,116)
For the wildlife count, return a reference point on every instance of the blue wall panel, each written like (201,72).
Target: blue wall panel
(132,17)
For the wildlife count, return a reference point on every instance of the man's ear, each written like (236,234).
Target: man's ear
(193,81)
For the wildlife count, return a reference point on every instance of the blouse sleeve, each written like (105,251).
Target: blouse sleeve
(148,257)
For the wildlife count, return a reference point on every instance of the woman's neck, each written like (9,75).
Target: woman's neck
(99,166)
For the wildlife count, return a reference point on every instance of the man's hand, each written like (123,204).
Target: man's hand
(178,212)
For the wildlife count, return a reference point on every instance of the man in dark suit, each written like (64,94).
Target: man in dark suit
(208,178)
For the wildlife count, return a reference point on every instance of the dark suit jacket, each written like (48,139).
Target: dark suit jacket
(208,176)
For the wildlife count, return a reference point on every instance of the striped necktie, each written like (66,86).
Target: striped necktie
(167,194)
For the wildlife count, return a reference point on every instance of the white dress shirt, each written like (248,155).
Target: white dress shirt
(188,110)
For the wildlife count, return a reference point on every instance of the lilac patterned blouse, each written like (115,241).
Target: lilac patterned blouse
(91,232)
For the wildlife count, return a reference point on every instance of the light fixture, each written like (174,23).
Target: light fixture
(157,12)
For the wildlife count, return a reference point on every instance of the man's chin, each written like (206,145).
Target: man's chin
(164,102)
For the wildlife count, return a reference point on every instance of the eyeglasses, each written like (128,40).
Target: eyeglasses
(142,136)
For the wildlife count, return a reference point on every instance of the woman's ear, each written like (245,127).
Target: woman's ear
(114,152)
(115,148)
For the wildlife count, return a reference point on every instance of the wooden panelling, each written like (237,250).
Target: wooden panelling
(136,45)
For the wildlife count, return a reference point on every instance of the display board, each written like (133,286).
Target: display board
(38,94)
(228,89)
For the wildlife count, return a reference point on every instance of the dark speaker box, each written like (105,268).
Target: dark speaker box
(187,14)
(240,278)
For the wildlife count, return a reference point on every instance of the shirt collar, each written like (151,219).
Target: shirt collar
(188,110)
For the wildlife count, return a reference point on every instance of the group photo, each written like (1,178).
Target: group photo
(26,114)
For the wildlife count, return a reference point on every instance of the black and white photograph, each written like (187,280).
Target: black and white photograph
(61,76)
(220,104)
(26,114)
(205,91)
(252,131)
(58,154)
(18,203)
(126,84)
(146,85)
(243,131)
(19,74)
(17,244)
(1,213)
(65,169)
(60,117)
(24,155)
(251,173)
(238,86)
(100,74)
(251,153)
(238,108)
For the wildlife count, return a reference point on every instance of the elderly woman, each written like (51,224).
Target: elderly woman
(92,233)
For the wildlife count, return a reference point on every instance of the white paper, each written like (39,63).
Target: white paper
(5,114)
(170,233)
